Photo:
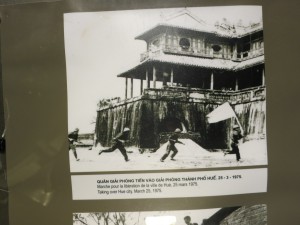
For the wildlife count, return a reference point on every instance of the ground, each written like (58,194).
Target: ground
(190,156)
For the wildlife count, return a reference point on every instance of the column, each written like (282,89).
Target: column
(163,41)
(211,51)
(154,77)
(131,88)
(142,87)
(172,77)
(236,83)
(126,87)
(147,79)
(165,78)
(212,81)
(235,51)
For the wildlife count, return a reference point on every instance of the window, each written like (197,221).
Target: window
(156,43)
(184,43)
(216,48)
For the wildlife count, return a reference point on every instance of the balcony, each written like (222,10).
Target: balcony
(189,52)
(195,95)
(248,55)
(149,54)
(238,57)
(206,96)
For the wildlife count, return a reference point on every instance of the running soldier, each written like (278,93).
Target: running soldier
(118,143)
(236,136)
(73,139)
(171,145)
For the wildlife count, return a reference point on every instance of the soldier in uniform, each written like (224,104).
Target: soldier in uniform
(73,138)
(119,142)
(187,220)
(236,136)
(171,145)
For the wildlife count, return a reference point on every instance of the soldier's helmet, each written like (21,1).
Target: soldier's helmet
(76,129)
(177,130)
(126,129)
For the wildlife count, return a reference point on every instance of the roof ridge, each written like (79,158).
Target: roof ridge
(184,11)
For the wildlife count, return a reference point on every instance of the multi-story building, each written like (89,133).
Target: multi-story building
(188,69)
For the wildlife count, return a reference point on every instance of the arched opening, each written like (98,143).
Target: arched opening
(170,124)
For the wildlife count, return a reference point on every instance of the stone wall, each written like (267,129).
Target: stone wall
(145,118)
(252,116)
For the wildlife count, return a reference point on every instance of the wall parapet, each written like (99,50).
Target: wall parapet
(207,96)
(204,53)
(196,95)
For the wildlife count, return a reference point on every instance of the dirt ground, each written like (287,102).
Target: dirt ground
(190,156)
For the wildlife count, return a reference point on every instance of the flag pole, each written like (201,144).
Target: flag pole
(223,112)
(237,120)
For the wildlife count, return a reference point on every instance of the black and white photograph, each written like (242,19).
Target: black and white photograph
(254,214)
(174,88)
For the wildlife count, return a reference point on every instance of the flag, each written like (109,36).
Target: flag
(223,112)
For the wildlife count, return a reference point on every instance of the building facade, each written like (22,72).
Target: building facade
(188,69)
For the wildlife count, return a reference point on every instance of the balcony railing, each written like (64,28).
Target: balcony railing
(190,51)
(148,54)
(207,96)
(241,56)
(249,54)
(196,95)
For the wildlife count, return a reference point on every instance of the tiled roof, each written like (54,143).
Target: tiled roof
(221,64)
(195,61)
(123,74)
(187,21)
(209,29)
(250,62)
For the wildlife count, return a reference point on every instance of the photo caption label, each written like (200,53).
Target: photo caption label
(169,185)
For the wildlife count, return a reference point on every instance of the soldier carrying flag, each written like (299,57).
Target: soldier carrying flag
(224,112)
(236,136)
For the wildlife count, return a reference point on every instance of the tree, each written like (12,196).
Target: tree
(79,219)
(103,218)
(118,218)
(96,217)
(106,218)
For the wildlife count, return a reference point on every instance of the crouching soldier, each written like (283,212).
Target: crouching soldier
(171,146)
(119,143)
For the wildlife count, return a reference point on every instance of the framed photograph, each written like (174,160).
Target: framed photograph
(177,88)
(254,214)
